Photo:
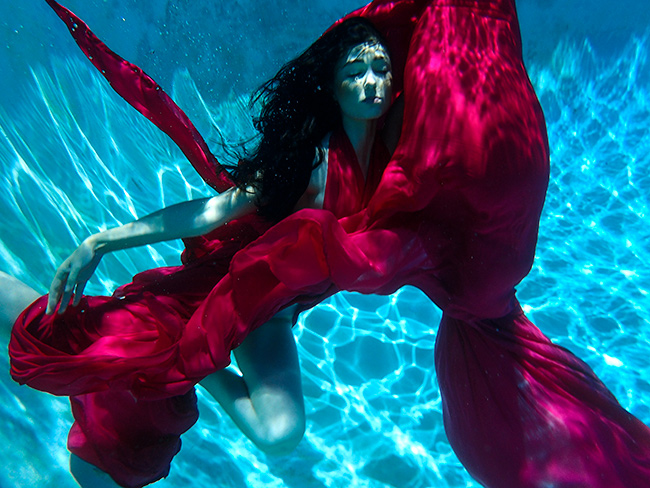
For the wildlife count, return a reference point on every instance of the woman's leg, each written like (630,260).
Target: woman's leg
(14,298)
(266,402)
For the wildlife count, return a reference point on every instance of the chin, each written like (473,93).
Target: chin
(373,112)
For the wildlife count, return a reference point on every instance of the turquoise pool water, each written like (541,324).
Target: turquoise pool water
(74,158)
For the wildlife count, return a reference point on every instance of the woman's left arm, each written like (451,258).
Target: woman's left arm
(187,219)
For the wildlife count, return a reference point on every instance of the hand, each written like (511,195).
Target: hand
(72,276)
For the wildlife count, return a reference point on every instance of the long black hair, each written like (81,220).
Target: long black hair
(298,111)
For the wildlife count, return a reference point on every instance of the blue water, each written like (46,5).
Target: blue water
(75,159)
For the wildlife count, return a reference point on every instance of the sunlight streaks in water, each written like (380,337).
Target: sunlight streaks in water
(588,286)
(75,159)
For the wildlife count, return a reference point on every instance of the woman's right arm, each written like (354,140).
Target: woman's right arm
(187,219)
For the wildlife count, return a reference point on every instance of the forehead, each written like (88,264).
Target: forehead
(367,51)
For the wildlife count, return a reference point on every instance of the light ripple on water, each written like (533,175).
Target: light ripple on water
(77,159)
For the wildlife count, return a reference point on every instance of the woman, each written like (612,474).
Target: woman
(456,214)
(305,143)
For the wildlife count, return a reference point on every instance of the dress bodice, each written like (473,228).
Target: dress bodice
(347,190)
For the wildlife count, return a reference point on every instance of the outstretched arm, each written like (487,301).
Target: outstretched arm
(187,219)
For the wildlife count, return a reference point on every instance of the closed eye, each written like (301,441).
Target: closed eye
(382,67)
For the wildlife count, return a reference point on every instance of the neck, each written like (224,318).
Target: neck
(362,135)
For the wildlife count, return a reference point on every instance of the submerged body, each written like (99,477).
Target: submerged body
(455,213)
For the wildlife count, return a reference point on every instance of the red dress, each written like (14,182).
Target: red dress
(456,214)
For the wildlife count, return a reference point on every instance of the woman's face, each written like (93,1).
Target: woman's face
(363,82)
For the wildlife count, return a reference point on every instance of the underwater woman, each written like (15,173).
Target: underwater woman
(319,127)
(455,213)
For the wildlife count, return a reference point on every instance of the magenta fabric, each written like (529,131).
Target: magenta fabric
(523,412)
(116,356)
(144,94)
(455,213)
(133,440)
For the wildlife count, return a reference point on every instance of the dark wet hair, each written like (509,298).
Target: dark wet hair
(298,111)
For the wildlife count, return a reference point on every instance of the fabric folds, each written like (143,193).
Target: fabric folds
(454,212)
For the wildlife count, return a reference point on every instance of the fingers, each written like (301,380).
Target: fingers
(58,283)
(79,292)
(62,288)
(69,288)
(65,299)
(71,278)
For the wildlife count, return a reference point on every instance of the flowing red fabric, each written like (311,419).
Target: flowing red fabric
(144,94)
(455,213)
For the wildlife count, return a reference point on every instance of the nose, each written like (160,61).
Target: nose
(370,84)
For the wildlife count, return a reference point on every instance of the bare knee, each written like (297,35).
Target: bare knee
(281,436)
